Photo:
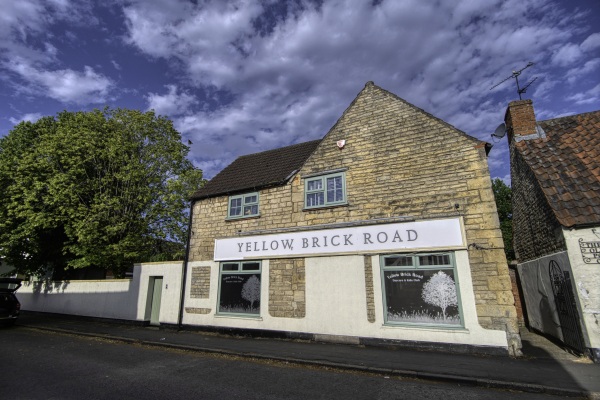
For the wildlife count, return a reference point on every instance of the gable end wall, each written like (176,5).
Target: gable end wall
(536,230)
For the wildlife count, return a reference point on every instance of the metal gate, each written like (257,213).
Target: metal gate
(566,307)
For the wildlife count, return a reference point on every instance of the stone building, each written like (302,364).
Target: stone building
(384,231)
(555,173)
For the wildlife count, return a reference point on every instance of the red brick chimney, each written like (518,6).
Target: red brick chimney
(520,119)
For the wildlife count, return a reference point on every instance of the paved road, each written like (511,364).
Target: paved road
(45,365)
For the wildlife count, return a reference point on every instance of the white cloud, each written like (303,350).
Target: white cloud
(289,83)
(574,74)
(175,102)
(591,43)
(567,55)
(31,117)
(272,73)
(64,85)
(591,96)
(30,58)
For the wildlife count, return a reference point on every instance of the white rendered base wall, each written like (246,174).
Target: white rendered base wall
(336,305)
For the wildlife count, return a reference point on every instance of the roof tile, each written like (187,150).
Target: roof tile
(567,166)
(259,170)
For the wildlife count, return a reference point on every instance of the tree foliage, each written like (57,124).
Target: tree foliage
(93,189)
(440,291)
(503,196)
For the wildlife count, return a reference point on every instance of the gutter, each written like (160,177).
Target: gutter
(185,267)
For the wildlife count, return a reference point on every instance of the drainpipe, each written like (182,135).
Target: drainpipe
(185,267)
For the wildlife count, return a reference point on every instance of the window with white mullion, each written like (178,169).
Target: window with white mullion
(325,190)
(314,192)
(245,205)
(335,189)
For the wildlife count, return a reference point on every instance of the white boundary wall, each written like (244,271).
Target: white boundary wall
(114,298)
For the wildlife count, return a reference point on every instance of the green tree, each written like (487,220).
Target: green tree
(503,196)
(94,189)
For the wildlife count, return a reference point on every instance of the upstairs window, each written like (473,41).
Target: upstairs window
(325,190)
(244,205)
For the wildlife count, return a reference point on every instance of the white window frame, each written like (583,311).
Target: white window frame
(244,205)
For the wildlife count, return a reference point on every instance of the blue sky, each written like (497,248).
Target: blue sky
(238,77)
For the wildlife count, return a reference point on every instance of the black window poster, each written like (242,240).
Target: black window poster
(240,294)
(422,296)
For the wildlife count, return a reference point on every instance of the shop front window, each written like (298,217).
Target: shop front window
(421,289)
(239,288)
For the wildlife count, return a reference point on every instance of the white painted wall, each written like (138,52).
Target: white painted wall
(114,298)
(171,290)
(586,278)
(336,305)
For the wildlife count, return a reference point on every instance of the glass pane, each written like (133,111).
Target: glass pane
(316,184)
(400,261)
(235,207)
(250,199)
(251,266)
(251,210)
(240,294)
(315,199)
(434,259)
(335,192)
(422,297)
(230,267)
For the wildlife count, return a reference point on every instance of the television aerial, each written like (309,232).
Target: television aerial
(515,75)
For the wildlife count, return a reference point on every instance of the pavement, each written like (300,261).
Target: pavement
(544,368)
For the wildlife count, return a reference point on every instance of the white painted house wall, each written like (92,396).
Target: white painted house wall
(336,305)
(125,299)
(583,247)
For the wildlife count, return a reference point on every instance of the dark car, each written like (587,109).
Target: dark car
(9,305)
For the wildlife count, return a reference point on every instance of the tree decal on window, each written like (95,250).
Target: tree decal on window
(251,290)
(440,291)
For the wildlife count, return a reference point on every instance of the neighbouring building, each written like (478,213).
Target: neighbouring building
(555,172)
(384,231)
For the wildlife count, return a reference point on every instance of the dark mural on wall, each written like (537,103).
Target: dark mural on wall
(422,296)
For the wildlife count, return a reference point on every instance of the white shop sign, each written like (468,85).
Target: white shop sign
(442,233)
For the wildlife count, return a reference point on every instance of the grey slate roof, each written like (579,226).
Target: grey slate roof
(259,170)
(566,164)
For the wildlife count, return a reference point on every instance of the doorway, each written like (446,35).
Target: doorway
(154,298)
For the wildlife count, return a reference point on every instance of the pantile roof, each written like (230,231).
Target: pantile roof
(259,170)
(566,164)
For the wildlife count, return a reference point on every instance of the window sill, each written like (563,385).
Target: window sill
(326,207)
(432,328)
(238,316)
(229,219)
